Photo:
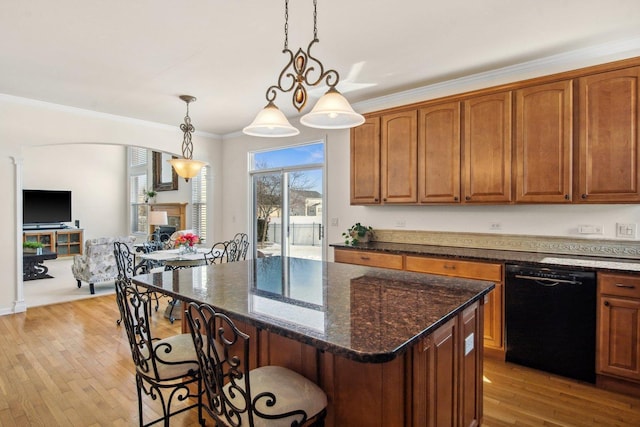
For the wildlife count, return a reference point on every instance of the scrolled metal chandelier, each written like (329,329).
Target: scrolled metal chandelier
(332,111)
(186,167)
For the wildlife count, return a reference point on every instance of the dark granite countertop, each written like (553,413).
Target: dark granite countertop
(363,313)
(533,258)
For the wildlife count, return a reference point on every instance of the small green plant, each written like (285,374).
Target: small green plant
(32,245)
(357,233)
(149,194)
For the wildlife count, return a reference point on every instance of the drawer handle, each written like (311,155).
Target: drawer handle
(622,285)
(449,267)
(365,258)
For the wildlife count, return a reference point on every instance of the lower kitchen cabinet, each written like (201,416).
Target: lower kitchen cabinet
(618,346)
(494,301)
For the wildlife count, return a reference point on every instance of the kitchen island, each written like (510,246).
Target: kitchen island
(388,347)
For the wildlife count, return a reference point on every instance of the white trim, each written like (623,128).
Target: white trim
(95,114)
(567,61)
(19,304)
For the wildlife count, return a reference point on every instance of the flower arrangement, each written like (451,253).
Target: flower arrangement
(187,239)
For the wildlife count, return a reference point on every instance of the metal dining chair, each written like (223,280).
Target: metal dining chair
(221,252)
(236,395)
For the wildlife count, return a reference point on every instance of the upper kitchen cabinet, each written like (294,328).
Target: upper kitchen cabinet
(487,149)
(608,151)
(439,153)
(543,143)
(399,159)
(365,163)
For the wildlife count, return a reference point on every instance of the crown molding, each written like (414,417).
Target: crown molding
(566,61)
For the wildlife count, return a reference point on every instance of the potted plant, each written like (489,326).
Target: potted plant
(149,195)
(31,247)
(357,233)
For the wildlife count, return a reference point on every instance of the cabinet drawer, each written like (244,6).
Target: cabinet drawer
(619,285)
(446,267)
(371,259)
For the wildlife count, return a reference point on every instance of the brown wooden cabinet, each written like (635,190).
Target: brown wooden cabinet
(618,347)
(69,242)
(365,162)
(369,258)
(486,158)
(439,153)
(608,151)
(493,318)
(399,157)
(543,143)
(494,301)
(46,237)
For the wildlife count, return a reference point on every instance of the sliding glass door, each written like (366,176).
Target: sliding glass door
(287,202)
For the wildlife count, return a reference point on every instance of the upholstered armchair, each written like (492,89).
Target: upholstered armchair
(98,263)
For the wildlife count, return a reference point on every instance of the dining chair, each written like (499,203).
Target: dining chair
(234,394)
(221,252)
(242,246)
(167,369)
(127,268)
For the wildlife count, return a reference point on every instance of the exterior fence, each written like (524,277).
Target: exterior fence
(299,234)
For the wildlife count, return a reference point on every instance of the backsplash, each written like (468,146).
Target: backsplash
(511,242)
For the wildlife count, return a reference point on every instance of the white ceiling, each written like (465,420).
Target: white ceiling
(134,57)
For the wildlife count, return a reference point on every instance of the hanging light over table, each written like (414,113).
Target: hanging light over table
(187,167)
(332,111)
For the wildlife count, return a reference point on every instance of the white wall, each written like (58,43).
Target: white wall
(36,132)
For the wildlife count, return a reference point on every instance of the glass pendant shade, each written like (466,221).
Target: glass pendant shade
(332,111)
(271,123)
(186,168)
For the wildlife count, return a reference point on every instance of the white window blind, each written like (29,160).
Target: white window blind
(199,186)
(138,183)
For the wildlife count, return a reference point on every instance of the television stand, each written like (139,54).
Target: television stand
(64,241)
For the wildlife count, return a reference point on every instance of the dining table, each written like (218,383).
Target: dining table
(388,347)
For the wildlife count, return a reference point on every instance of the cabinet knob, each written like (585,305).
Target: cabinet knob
(467,198)
(566,197)
(384,200)
(606,304)
(455,199)
(584,196)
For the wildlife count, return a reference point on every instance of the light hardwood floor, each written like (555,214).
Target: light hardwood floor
(69,365)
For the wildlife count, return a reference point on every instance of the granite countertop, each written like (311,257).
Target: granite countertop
(530,258)
(363,313)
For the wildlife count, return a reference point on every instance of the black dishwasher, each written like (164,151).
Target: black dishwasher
(551,320)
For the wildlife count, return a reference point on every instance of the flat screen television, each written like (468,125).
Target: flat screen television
(46,206)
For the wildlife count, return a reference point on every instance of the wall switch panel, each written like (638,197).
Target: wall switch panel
(626,230)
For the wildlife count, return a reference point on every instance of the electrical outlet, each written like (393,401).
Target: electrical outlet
(495,226)
(401,223)
(334,222)
(626,230)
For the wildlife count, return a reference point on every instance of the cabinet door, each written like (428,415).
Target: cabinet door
(399,170)
(619,337)
(439,153)
(470,401)
(608,141)
(494,318)
(543,143)
(365,162)
(487,149)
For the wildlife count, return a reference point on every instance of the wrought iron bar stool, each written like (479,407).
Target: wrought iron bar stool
(166,369)
(236,395)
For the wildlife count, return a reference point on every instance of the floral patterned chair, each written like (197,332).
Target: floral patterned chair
(98,263)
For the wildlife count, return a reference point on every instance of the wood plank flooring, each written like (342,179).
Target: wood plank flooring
(69,365)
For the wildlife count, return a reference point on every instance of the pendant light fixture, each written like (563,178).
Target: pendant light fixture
(186,167)
(332,111)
